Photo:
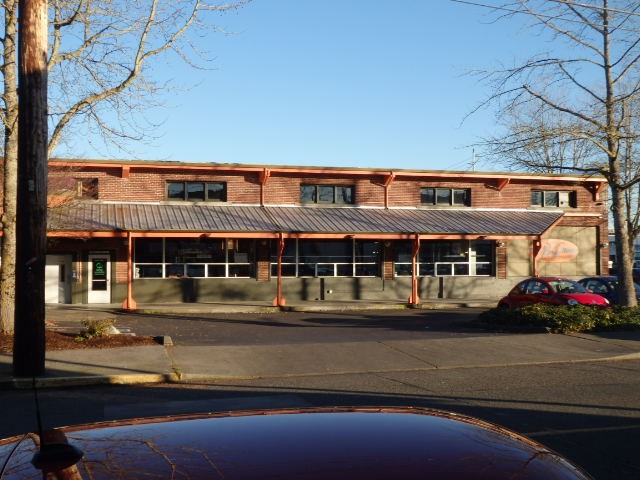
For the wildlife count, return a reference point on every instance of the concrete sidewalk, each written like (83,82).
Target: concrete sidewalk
(211,363)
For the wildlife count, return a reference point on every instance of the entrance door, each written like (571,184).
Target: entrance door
(99,278)
(57,286)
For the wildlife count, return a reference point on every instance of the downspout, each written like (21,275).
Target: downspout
(387,183)
(415,299)
(279,301)
(129,303)
(264,177)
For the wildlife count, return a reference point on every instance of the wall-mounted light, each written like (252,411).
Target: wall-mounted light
(604,245)
(387,243)
(500,244)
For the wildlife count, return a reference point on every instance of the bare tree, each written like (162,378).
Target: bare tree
(536,140)
(100,81)
(585,84)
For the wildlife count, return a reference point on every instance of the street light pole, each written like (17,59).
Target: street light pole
(31,217)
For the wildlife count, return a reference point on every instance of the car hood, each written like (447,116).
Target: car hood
(302,444)
(585,298)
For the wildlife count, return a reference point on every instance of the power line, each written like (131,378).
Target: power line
(504,8)
(543,17)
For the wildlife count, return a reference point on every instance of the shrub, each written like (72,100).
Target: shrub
(562,319)
(95,328)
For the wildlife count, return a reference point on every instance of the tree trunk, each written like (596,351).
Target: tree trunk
(10,173)
(624,260)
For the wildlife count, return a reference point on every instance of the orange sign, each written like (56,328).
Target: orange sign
(556,251)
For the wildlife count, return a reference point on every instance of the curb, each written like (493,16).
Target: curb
(54,382)
(186,378)
(199,310)
(313,308)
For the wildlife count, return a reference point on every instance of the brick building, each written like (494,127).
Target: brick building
(145,232)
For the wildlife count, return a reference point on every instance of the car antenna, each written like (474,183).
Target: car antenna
(57,454)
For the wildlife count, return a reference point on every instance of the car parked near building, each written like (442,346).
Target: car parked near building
(551,291)
(606,286)
(316,443)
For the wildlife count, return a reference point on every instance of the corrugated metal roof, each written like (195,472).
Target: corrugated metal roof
(160,218)
(217,218)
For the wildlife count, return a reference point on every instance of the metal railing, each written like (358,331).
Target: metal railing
(327,269)
(444,269)
(193,270)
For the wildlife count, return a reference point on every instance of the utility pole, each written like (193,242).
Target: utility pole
(31,218)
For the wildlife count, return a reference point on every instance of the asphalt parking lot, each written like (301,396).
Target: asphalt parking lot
(294,327)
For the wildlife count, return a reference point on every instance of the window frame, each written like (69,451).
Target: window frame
(317,196)
(310,258)
(563,198)
(448,193)
(236,258)
(206,190)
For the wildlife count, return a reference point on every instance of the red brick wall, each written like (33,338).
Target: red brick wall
(263,265)
(245,188)
(150,186)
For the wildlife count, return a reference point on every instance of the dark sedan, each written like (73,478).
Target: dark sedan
(338,443)
(606,286)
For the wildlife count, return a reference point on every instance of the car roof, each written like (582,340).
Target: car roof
(547,279)
(336,443)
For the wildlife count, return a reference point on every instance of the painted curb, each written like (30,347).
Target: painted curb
(55,382)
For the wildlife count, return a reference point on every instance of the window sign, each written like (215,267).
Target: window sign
(99,274)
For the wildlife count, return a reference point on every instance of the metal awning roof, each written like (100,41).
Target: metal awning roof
(175,218)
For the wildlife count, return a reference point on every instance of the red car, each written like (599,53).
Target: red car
(552,291)
(318,443)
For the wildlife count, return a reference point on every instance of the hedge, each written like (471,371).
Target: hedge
(562,319)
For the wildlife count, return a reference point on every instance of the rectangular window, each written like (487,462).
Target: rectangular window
(326,194)
(197,191)
(459,197)
(193,257)
(550,199)
(446,258)
(445,196)
(428,196)
(176,191)
(553,199)
(338,194)
(308,194)
(344,194)
(328,258)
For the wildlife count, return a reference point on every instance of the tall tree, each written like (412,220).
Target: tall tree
(100,63)
(585,85)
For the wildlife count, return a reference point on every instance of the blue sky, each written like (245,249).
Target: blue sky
(359,83)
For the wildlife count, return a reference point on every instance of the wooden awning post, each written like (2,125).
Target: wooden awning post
(280,301)
(129,303)
(415,298)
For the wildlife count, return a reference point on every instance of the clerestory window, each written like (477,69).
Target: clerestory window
(459,197)
(553,199)
(197,191)
(339,194)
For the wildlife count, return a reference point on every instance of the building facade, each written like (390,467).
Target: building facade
(155,232)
